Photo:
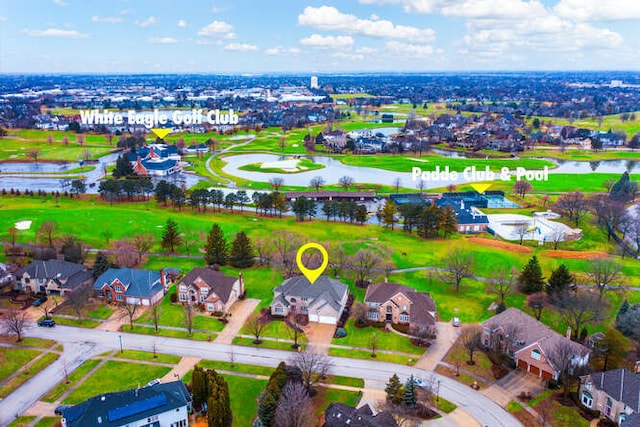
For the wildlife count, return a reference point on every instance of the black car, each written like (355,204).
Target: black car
(49,323)
(60,409)
(38,301)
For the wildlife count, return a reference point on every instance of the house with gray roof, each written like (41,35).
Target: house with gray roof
(341,415)
(615,393)
(53,277)
(323,301)
(216,291)
(396,303)
(531,343)
(164,404)
(131,286)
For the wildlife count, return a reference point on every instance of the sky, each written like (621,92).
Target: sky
(257,36)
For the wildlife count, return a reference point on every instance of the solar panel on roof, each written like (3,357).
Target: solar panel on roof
(137,407)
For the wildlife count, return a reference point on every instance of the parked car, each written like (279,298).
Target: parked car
(340,333)
(455,322)
(49,323)
(153,382)
(419,383)
(38,301)
(60,409)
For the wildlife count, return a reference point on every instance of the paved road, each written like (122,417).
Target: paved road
(81,344)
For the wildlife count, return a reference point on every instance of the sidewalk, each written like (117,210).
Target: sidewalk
(239,314)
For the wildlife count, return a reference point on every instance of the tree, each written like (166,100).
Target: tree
(295,328)
(242,255)
(471,340)
(361,214)
(188,319)
(123,167)
(33,153)
(536,302)
(581,308)
(531,279)
(72,249)
(276,183)
(171,236)
(521,229)
(522,187)
(295,408)
(286,244)
(317,182)
(265,247)
(217,248)
(156,312)
(303,207)
(48,306)
(218,402)
(125,253)
(256,324)
(14,322)
(47,231)
(13,235)
(128,310)
(458,264)
(394,390)
(603,272)
(562,356)
(359,313)
(502,282)
(346,182)
(410,399)
(242,199)
(362,263)
(389,212)
(574,205)
(79,298)
(268,402)
(560,283)
(143,243)
(78,187)
(312,366)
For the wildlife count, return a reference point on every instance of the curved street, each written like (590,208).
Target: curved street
(81,344)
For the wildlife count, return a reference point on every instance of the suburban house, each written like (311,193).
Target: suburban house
(53,277)
(323,301)
(216,291)
(531,343)
(470,218)
(165,404)
(341,415)
(615,393)
(396,303)
(142,287)
(155,160)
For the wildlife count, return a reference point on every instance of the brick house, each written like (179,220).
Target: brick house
(53,277)
(323,301)
(529,342)
(142,287)
(396,303)
(216,291)
(615,393)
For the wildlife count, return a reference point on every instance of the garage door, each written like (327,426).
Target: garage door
(522,364)
(322,319)
(534,370)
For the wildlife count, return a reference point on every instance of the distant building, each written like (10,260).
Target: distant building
(159,405)
(53,277)
(341,415)
(322,196)
(142,287)
(314,82)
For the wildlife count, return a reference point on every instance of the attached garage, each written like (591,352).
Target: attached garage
(523,365)
(330,320)
(534,370)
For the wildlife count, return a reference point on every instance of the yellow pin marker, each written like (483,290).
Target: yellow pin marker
(312,275)
(480,188)
(161,132)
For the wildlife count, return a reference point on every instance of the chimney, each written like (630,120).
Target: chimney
(568,334)
(163,281)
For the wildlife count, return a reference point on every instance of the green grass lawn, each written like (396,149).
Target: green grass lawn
(21,421)
(382,357)
(146,355)
(12,359)
(277,345)
(482,367)
(445,406)
(48,422)
(149,330)
(84,323)
(26,375)
(236,367)
(361,337)
(326,396)
(244,393)
(27,341)
(56,392)
(116,376)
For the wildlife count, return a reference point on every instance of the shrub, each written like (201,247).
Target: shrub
(174,298)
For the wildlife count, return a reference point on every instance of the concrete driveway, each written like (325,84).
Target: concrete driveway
(447,335)
(239,314)
(319,336)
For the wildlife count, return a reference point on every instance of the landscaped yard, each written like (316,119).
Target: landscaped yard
(56,392)
(12,359)
(27,374)
(458,355)
(243,393)
(385,340)
(116,376)
(148,356)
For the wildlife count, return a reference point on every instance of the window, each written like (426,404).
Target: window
(404,317)
(293,300)
(118,288)
(119,297)
(202,298)
(183,297)
(210,307)
(588,385)
(373,304)
(373,315)
(535,354)
(183,288)
(608,406)
(204,291)
(587,399)
(277,309)
(404,308)
(389,309)
(304,299)
(305,309)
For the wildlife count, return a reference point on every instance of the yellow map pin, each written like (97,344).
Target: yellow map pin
(312,275)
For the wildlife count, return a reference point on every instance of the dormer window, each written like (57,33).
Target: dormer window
(535,354)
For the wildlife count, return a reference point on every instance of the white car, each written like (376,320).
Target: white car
(153,382)
(455,322)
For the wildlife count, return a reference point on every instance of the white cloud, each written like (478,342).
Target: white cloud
(106,19)
(182,23)
(316,40)
(421,6)
(215,29)
(598,10)
(216,9)
(147,22)
(60,3)
(279,50)
(493,9)
(408,49)
(348,56)
(162,40)
(331,19)
(230,36)
(241,47)
(55,32)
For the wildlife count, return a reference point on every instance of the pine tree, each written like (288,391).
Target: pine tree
(389,214)
(410,394)
(217,248)
(393,388)
(531,279)
(560,282)
(170,236)
(218,403)
(241,251)
(198,387)
(100,265)
(123,167)
(269,401)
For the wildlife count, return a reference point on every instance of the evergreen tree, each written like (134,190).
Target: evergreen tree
(100,265)
(271,396)
(361,214)
(198,387)
(531,279)
(560,283)
(218,403)
(217,249)
(170,236)
(394,389)
(410,393)
(241,251)
(123,167)
(624,189)
(389,212)
(448,223)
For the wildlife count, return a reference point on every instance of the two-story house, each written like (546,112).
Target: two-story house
(165,404)
(323,301)
(53,277)
(216,291)
(396,303)
(615,393)
(131,286)
(531,343)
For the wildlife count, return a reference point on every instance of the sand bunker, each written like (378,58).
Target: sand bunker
(23,225)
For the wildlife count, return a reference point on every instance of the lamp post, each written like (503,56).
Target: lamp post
(120,339)
(438,392)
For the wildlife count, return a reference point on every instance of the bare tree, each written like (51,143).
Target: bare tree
(471,340)
(189,238)
(33,154)
(295,328)
(313,367)
(156,312)
(287,244)
(374,344)
(423,333)
(128,310)
(265,248)
(276,183)
(458,264)
(142,243)
(338,258)
(126,253)
(536,302)
(13,235)
(557,236)
(503,281)
(563,356)
(47,231)
(580,308)
(294,407)
(346,182)
(14,322)
(362,263)
(522,187)
(188,319)
(403,415)
(256,324)
(603,272)
(317,182)
(359,314)
(48,306)
(397,183)
(574,205)
(79,299)
(86,154)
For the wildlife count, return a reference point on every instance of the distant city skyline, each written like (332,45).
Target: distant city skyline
(251,36)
